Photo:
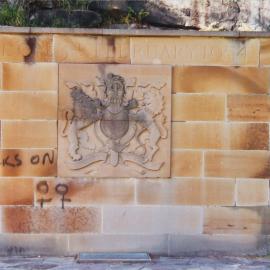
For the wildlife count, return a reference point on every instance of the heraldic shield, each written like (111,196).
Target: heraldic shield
(114,121)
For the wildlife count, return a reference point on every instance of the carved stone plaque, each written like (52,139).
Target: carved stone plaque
(114,121)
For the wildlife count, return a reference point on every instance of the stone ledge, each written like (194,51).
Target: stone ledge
(131,32)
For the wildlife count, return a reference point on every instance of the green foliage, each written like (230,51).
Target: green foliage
(20,12)
(13,14)
(134,17)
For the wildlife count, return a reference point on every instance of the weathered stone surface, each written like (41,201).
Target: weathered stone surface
(222,244)
(244,164)
(252,192)
(193,51)
(32,134)
(198,107)
(35,77)
(186,192)
(25,48)
(51,220)
(16,191)
(91,49)
(265,52)
(193,14)
(28,105)
(86,191)
(33,245)
(28,162)
(235,136)
(154,244)
(152,219)
(236,220)
(118,114)
(221,80)
(249,108)
(186,163)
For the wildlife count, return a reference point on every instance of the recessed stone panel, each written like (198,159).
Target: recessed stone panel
(114,121)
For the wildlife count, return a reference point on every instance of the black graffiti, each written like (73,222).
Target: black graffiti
(14,161)
(42,159)
(35,159)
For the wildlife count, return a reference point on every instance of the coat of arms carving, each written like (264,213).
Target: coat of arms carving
(114,122)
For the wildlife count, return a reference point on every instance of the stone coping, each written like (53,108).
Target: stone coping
(129,32)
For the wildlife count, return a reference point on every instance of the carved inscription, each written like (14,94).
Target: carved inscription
(115,126)
(190,51)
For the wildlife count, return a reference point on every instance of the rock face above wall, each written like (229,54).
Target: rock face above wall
(222,15)
(246,15)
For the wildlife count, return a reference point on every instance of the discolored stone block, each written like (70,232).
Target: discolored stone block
(34,77)
(152,219)
(87,191)
(154,244)
(186,192)
(29,134)
(25,48)
(33,245)
(51,220)
(91,49)
(28,105)
(236,220)
(252,192)
(186,163)
(16,191)
(242,80)
(199,51)
(249,108)
(265,52)
(237,136)
(28,162)
(114,121)
(244,164)
(198,107)
(221,244)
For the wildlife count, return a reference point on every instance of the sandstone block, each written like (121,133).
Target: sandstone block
(224,244)
(186,192)
(28,162)
(28,105)
(86,191)
(186,163)
(236,220)
(237,136)
(194,51)
(242,164)
(229,80)
(265,52)
(34,77)
(152,219)
(24,48)
(91,49)
(198,107)
(154,244)
(51,220)
(16,191)
(29,134)
(249,108)
(252,192)
(33,245)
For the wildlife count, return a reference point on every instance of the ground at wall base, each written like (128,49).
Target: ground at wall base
(161,263)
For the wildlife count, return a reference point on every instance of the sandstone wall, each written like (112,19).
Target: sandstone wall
(217,195)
